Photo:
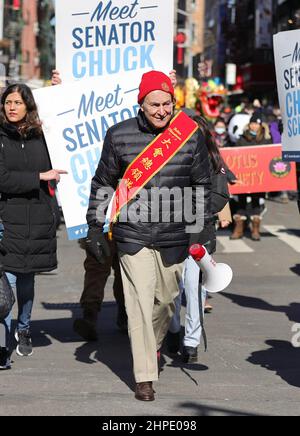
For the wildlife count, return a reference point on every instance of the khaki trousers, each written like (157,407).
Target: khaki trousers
(150,288)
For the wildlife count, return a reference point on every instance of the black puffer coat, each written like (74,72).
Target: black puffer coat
(219,199)
(26,208)
(188,168)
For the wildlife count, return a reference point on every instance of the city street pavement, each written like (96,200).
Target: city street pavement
(250,367)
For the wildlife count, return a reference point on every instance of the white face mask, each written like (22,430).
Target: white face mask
(220,130)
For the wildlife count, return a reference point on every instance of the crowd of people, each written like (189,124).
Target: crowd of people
(150,260)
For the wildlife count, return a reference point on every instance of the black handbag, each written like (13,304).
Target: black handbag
(7,297)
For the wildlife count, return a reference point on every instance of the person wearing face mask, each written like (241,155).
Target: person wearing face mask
(255,134)
(220,134)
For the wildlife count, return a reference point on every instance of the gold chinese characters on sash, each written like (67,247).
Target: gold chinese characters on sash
(151,160)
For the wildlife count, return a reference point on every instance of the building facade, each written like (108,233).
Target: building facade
(189,36)
(241,32)
(30,61)
(27,39)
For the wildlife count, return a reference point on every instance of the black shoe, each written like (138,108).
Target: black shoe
(173,342)
(4,359)
(122,320)
(190,354)
(24,347)
(85,329)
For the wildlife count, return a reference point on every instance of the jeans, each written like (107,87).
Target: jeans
(23,285)
(193,329)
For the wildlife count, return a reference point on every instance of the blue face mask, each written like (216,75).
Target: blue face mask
(252,133)
(220,130)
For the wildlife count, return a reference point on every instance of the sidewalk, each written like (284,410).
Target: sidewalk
(250,367)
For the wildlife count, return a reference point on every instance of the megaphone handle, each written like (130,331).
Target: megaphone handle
(201,310)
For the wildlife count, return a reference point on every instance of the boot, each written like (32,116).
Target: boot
(86,327)
(255,227)
(238,231)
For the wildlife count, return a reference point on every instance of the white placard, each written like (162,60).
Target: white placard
(103,38)
(287,62)
(75,120)
(103,48)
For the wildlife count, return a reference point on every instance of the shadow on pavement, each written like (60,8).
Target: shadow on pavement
(292,311)
(282,358)
(296,269)
(202,410)
(112,349)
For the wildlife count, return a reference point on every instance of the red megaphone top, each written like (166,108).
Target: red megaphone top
(197,252)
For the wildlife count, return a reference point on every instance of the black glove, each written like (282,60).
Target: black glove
(97,245)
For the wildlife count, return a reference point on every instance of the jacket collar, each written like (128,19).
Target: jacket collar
(11,131)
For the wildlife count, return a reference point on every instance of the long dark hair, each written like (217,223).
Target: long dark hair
(210,142)
(31,122)
(261,135)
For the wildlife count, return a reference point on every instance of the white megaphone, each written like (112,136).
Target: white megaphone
(217,276)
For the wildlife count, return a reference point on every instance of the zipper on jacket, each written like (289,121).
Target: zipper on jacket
(24,152)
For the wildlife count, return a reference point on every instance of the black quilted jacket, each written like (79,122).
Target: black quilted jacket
(188,168)
(26,208)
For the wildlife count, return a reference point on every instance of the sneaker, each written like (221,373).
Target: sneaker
(24,347)
(190,354)
(4,359)
(173,342)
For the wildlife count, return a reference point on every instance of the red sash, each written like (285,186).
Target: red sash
(151,160)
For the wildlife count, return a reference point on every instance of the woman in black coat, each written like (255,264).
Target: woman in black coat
(27,209)
(254,135)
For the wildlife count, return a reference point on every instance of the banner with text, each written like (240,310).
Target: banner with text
(75,120)
(103,48)
(287,62)
(103,38)
(260,169)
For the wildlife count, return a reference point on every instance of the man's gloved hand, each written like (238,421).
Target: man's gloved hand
(200,238)
(97,245)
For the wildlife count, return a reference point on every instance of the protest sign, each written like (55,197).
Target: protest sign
(104,38)
(75,121)
(103,48)
(287,62)
(260,169)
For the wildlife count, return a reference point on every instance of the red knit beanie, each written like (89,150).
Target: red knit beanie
(154,81)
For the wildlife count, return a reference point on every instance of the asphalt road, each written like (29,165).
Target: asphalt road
(250,368)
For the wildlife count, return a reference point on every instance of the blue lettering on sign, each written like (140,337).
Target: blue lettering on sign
(79,68)
(84,194)
(114,13)
(113,35)
(77,232)
(292,105)
(112,61)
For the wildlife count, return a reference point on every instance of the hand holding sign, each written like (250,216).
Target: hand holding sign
(55,79)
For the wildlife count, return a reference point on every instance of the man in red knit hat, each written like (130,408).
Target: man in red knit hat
(155,150)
